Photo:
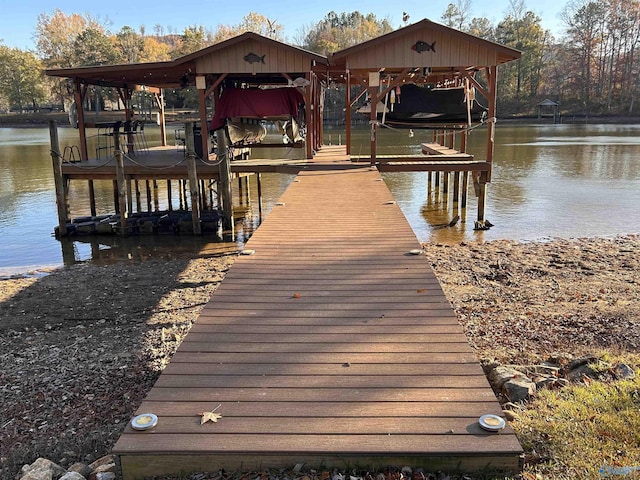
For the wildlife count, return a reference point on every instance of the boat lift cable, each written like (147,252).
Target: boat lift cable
(151,168)
(87,167)
(453,131)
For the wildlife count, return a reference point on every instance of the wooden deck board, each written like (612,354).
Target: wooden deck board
(331,344)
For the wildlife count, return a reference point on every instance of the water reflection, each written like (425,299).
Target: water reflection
(548,181)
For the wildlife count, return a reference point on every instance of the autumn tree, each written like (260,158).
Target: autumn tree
(154,51)
(21,82)
(481,27)
(56,35)
(252,22)
(130,45)
(338,31)
(193,38)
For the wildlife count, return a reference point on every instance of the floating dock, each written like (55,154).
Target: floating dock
(331,345)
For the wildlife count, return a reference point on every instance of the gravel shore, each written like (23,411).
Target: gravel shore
(81,346)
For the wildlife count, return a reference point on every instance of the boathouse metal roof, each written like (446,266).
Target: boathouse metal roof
(424,44)
(248,56)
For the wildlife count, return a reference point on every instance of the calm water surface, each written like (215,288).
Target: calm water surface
(548,181)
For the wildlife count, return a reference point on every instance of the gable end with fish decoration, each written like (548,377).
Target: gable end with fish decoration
(254,58)
(421,46)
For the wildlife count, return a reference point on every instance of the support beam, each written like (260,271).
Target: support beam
(56,158)
(225,194)
(492,74)
(348,113)
(163,126)
(92,198)
(193,179)
(204,130)
(78,95)
(121,185)
(308,111)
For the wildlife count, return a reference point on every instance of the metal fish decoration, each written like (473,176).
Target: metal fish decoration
(421,46)
(253,58)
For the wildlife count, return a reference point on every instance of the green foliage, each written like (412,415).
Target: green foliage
(130,45)
(252,22)
(21,81)
(193,38)
(576,431)
(338,31)
(519,80)
(93,47)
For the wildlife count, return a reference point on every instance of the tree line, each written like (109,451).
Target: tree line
(592,68)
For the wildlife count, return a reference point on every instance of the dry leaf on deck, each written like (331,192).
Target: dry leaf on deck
(209,416)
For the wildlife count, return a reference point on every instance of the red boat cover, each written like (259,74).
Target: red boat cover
(256,103)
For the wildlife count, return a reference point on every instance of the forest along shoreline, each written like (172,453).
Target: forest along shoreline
(81,346)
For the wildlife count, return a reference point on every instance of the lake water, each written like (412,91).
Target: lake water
(548,181)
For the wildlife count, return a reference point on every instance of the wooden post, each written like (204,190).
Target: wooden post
(193,179)
(374,78)
(204,131)
(248,191)
(465,187)
(120,181)
(56,158)
(482,199)
(308,114)
(348,114)
(456,187)
(463,142)
(138,197)
(492,74)
(203,195)
(129,195)
(169,199)
(78,99)
(148,187)
(163,126)
(259,181)
(116,203)
(224,179)
(156,200)
(92,198)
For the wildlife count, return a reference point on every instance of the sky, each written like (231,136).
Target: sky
(19,17)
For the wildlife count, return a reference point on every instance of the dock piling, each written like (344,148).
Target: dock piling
(194,189)
(121,185)
(61,199)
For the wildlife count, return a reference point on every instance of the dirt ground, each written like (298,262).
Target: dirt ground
(81,346)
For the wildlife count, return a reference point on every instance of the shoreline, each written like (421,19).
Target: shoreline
(91,340)
(41,119)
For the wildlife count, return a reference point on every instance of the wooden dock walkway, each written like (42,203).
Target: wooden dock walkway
(332,345)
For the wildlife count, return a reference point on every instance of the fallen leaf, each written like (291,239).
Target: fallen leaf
(296,295)
(421,290)
(209,416)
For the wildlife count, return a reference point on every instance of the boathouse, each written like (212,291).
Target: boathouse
(248,62)
(429,54)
